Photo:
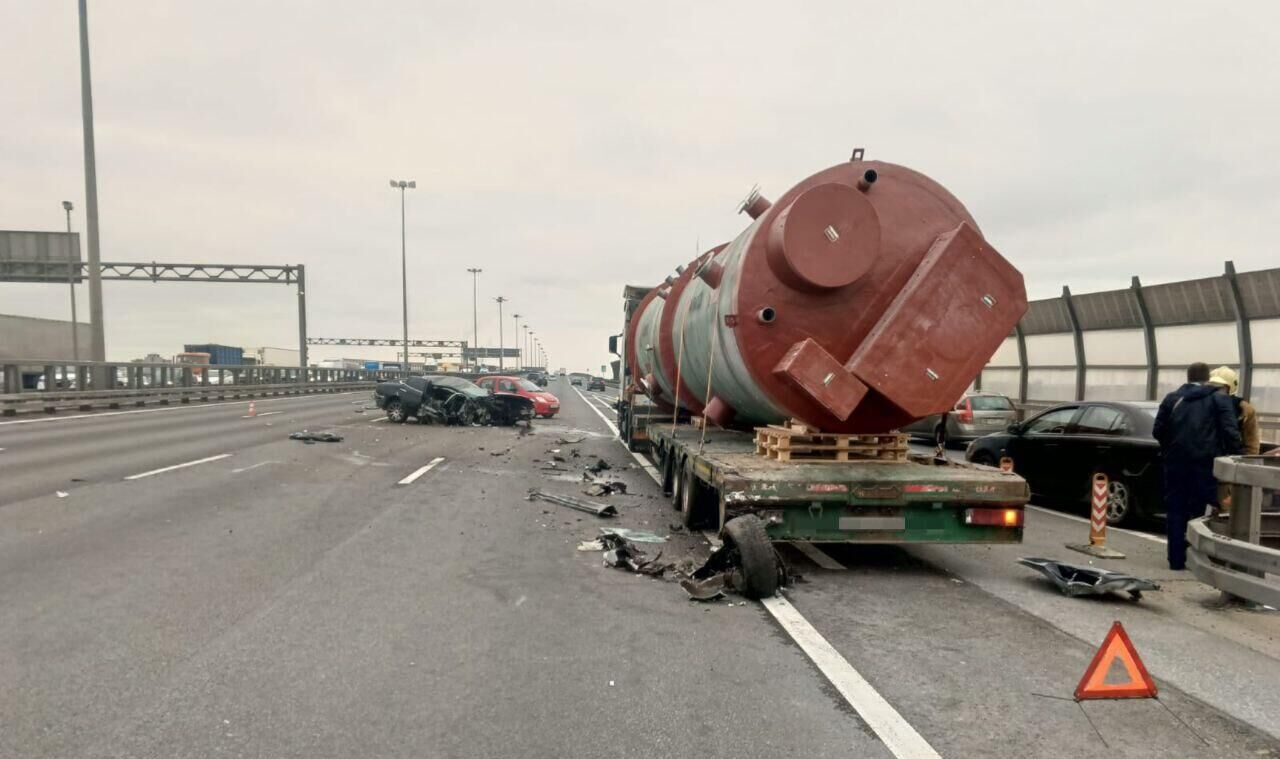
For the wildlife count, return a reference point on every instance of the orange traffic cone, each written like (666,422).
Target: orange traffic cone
(252,410)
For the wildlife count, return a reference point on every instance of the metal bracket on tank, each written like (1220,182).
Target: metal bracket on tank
(857,154)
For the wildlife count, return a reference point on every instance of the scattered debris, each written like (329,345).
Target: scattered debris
(606,488)
(600,510)
(591,545)
(635,536)
(568,441)
(573,452)
(63,494)
(558,457)
(1075,580)
(316,437)
(622,553)
(709,589)
(502,452)
(675,527)
(599,466)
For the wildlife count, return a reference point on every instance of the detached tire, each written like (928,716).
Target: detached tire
(395,412)
(755,551)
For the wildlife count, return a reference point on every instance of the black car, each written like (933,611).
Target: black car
(440,399)
(596,383)
(1060,449)
(537,378)
(575,380)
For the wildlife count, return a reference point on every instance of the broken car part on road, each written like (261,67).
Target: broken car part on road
(1076,581)
(599,509)
(316,437)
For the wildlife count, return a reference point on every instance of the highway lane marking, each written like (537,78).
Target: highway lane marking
(898,736)
(168,408)
(896,733)
(817,555)
(254,466)
(421,471)
(1074,518)
(206,460)
(642,461)
(264,413)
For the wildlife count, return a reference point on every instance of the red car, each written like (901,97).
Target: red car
(544,404)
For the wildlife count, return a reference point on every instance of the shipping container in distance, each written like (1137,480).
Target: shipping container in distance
(222,355)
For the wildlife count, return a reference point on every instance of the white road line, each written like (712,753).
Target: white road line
(1074,518)
(896,733)
(901,739)
(817,555)
(166,408)
(178,466)
(254,466)
(421,471)
(641,460)
(264,413)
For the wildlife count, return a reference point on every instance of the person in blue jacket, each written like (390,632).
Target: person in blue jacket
(1195,425)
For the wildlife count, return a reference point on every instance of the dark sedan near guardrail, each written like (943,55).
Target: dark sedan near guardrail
(1060,449)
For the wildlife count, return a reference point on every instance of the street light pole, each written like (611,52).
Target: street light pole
(404,265)
(531,342)
(500,300)
(71,285)
(475,321)
(98,342)
(519,353)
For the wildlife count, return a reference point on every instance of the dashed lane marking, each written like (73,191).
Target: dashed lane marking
(1074,518)
(264,413)
(421,471)
(168,408)
(899,737)
(817,555)
(253,466)
(183,465)
(896,733)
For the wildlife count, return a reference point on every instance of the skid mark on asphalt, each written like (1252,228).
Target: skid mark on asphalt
(421,471)
(897,734)
(183,465)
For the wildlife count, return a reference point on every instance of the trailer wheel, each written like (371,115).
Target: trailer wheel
(759,562)
(677,483)
(693,499)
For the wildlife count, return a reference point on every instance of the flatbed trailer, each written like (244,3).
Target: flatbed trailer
(718,481)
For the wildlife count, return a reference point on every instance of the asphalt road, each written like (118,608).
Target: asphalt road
(290,600)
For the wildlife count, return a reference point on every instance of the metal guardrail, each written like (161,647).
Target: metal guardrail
(50,385)
(1233,555)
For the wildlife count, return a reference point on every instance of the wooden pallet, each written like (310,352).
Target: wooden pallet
(799,442)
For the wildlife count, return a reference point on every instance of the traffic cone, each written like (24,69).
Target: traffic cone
(252,410)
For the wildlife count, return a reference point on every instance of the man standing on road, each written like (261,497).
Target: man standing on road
(1226,380)
(1195,425)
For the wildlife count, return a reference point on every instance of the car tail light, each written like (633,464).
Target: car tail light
(994,517)
(966,413)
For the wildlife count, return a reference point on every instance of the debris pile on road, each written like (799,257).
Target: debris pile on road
(599,509)
(1075,580)
(606,488)
(311,438)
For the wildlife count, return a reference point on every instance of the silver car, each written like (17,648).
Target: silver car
(974,415)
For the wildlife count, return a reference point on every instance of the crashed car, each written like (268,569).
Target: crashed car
(440,399)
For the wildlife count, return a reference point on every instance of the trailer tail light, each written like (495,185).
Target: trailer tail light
(994,517)
(966,413)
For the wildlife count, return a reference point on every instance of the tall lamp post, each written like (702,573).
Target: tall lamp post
(531,342)
(519,353)
(402,185)
(98,346)
(71,285)
(526,338)
(475,322)
(500,301)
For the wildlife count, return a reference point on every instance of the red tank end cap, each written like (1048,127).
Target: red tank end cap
(827,238)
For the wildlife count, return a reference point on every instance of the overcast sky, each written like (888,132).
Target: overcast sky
(569,149)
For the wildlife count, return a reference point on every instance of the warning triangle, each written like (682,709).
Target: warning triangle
(1116,648)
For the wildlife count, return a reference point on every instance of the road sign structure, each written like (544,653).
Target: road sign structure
(1116,646)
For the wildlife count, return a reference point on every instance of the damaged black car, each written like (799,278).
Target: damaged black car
(440,399)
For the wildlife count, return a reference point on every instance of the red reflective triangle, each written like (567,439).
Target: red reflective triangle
(1116,646)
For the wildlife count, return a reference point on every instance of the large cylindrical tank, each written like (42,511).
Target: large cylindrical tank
(861,299)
